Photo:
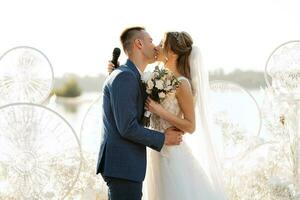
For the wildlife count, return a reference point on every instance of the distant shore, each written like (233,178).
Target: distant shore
(247,79)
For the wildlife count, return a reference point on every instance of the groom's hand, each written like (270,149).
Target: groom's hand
(173,136)
(176,129)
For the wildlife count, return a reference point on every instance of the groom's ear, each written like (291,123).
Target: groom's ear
(138,43)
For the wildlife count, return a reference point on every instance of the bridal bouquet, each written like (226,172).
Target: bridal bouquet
(158,85)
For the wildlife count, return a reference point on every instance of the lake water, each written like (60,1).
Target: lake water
(75,118)
(241,107)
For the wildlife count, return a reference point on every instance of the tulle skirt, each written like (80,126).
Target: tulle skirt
(175,174)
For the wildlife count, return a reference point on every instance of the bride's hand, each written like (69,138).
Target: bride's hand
(153,106)
(110,67)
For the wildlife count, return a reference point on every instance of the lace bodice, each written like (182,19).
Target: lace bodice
(171,105)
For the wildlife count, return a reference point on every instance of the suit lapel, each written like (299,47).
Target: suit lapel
(133,68)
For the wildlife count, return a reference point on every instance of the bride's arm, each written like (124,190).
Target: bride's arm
(185,99)
(111,67)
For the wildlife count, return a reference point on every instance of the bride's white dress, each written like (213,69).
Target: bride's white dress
(174,173)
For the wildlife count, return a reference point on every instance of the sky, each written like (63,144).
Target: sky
(79,36)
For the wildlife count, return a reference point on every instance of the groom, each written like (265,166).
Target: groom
(122,156)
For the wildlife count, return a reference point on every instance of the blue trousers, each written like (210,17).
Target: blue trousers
(121,189)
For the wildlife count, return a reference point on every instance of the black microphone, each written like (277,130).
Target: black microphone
(115,56)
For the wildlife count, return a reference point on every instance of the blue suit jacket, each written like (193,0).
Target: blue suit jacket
(123,146)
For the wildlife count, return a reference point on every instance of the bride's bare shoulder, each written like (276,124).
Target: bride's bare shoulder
(185,84)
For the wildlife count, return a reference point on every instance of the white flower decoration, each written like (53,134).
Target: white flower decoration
(168,82)
(161,95)
(150,85)
(169,88)
(155,74)
(159,84)
(148,91)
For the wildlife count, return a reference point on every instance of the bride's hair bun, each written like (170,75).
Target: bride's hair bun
(181,44)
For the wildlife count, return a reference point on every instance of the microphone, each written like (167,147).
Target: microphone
(115,56)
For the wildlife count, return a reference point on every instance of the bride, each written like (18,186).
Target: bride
(175,173)
(179,173)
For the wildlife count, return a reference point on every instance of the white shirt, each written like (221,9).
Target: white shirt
(141,73)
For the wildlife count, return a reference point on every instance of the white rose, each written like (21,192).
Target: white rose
(168,82)
(159,84)
(150,85)
(146,76)
(161,95)
(155,74)
(169,88)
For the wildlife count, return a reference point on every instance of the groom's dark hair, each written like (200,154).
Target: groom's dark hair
(128,35)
